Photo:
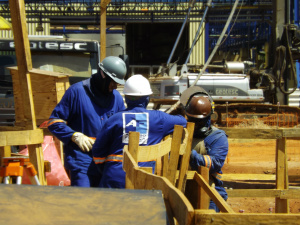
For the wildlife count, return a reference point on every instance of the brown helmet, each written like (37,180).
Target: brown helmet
(198,107)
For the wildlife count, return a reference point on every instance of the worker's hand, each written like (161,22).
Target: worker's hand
(84,142)
(194,160)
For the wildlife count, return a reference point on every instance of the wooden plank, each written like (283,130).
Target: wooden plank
(281,205)
(5,151)
(291,133)
(246,133)
(36,157)
(181,207)
(133,149)
(23,137)
(44,103)
(49,73)
(103,32)
(17,90)
(104,3)
(184,164)
(35,205)
(264,193)
(213,194)
(23,55)
(174,155)
(246,218)
(236,177)
(240,176)
(203,196)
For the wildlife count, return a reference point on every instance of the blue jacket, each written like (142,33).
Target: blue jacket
(216,144)
(78,112)
(108,149)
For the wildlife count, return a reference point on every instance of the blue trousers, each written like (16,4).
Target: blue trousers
(84,180)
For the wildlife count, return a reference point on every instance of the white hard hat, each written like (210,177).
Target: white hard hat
(137,85)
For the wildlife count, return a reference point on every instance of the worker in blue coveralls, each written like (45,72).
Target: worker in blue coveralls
(81,114)
(210,144)
(151,124)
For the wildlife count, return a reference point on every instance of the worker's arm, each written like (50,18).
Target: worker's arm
(170,121)
(217,150)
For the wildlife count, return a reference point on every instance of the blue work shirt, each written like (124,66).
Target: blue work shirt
(108,149)
(77,112)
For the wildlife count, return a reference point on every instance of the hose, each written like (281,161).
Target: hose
(173,107)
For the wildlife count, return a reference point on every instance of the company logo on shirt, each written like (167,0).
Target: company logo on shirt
(138,122)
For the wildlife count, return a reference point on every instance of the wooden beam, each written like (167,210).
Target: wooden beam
(36,205)
(203,196)
(264,193)
(36,156)
(182,209)
(281,205)
(103,28)
(184,164)
(246,133)
(213,194)
(23,137)
(174,154)
(104,3)
(239,176)
(133,149)
(23,55)
(245,218)
(5,151)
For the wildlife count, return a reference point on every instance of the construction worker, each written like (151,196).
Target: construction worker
(80,115)
(151,124)
(210,144)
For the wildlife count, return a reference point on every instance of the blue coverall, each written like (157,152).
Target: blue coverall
(78,111)
(216,144)
(108,149)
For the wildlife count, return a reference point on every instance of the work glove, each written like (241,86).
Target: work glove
(194,160)
(84,142)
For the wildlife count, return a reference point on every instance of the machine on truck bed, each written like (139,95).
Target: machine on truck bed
(242,93)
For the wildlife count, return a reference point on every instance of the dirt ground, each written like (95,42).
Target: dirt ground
(258,157)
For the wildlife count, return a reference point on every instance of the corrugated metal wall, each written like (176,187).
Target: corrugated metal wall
(198,54)
(31,26)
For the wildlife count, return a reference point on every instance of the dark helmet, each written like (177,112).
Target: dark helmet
(198,108)
(115,68)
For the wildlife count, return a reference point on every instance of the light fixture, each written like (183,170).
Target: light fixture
(39,28)
(4,24)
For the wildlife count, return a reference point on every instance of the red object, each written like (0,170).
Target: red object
(58,175)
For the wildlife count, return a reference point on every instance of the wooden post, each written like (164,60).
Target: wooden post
(23,54)
(134,138)
(103,6)
(203,202)
(5,151)
(281,205)
(185,158)
(174,154)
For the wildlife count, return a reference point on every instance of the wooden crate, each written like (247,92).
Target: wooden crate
(47,90)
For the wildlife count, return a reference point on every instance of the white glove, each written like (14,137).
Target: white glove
(84,142)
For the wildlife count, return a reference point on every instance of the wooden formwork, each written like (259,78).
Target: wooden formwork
(282,194)
(194,203)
